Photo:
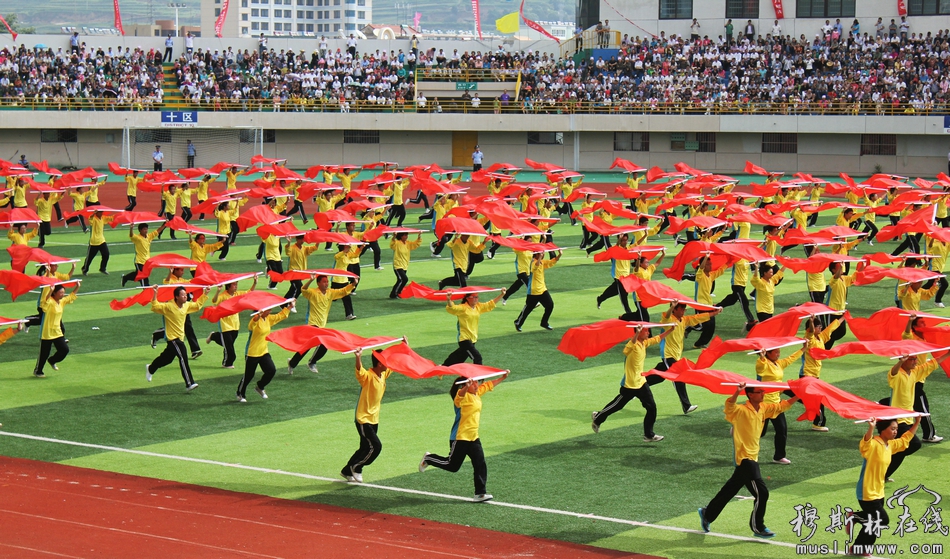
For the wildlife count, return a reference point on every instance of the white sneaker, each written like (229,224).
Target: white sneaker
(54,366)
(691,409)
(423,465)
(379,268)
(939,305)
(593,422)
(192,386)
(241,399)
(290,369)
(313,368)
(654,439)
(504,301)
(261,392)
(819,428)
(483,497)
(934,439)
(293,309)
(259,261)
(782,461)
(350,479)
(357,477)
(148,374)
(351,317)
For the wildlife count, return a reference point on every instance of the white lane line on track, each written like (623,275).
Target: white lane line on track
(39,551)
(545,510)
(361,538)
(141,534)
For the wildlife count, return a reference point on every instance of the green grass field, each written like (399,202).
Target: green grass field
(550,475)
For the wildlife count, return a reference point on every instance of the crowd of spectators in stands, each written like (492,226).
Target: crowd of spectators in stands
(103,78)
(889,70)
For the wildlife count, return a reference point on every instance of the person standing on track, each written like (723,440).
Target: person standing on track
(258,353)
(175,312)
(747,421)
(228,326)
(372,388)
(132,181)
(52,335)
(634,385)
(463,440)
(469,311)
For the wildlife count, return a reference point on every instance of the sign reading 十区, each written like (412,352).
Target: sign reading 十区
(179,119)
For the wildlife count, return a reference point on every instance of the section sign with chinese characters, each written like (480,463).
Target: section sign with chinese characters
(179,119)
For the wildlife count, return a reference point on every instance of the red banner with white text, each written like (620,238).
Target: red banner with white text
(219,23)
(118,17)
(779,10)
(902,7)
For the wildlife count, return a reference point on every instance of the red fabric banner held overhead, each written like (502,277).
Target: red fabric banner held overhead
(902,7)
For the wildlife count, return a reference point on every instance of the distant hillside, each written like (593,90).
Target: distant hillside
(49,15)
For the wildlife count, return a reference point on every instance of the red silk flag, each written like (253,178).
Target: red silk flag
(653,293)
(301,338)
(478,18)
(627,165)
(118,18)
(902,7)
(419,291)
(7,25)
(169,260)
(788,323)
(253,300)
(304,275)
(888,324)
(753,169)
(717,348)
(403,360)
(618,252)
(779,10)
(711,379)
(881,348)
(206,275)
(21,254)
(593,339)
(17,283)
(814,392)
(873,274)
(165,294)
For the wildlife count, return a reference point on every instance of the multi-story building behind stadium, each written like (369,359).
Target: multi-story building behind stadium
(287,18)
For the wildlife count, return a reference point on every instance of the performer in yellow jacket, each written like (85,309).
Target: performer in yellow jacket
(463,440)
(747,421)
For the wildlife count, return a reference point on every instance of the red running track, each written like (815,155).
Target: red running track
(52,510)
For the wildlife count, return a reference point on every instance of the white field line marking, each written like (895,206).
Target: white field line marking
(142,534)
(362,538)
(395,489)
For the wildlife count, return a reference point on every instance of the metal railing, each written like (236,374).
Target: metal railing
(488,105)
(456,74)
